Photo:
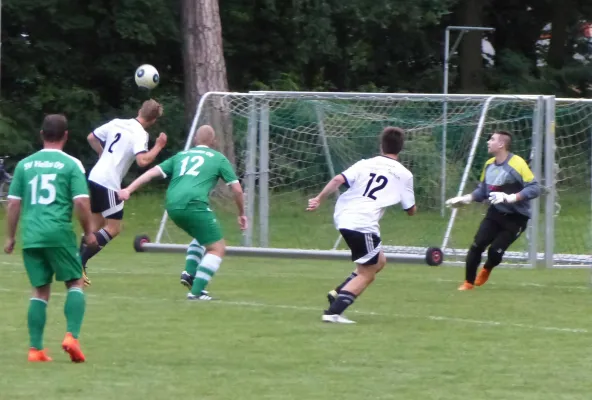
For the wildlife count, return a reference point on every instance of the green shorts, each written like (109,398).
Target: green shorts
(199,222)
(43,262)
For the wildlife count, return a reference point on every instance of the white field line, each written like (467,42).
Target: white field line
(231,271)
(440,318)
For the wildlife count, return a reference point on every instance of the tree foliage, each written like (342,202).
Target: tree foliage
(79,57)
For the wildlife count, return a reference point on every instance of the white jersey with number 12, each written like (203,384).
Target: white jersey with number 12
(122,140)
(374,185)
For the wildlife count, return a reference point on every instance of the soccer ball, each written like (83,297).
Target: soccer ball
(147,76)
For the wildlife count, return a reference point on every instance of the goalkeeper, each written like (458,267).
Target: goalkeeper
(509,185)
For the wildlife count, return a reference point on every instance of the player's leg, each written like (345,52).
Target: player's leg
(40,276)
(353,289)
(366,273)
(201,223)
(488,230)
(195,253)
(74,309)
(99,202)
(368,255)
(332,295)
(36,319)
(107,204)
(104,235)
(513,226)
(68,269)
(207,269)
(97,221)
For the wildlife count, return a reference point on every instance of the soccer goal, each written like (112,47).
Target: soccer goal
(286,145)
(569,232)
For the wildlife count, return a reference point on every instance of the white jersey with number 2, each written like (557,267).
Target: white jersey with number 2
(374,185)
(123,139)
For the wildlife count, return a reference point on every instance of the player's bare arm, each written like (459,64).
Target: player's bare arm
(14,213)
(82,207)
(408,198)
(145,159)
(239,199)
(95,143)
(331,187)
(124,194)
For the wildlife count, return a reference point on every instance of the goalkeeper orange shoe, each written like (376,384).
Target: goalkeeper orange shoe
(466,286)
(482,277)
(72,347)
(38,356)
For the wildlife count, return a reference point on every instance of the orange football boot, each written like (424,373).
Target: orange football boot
(482,277)
(72,347)
(466,286)
(38,355)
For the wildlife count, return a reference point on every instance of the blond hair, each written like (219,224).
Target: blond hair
(150,110)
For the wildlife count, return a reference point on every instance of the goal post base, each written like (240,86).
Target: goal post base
(432,257)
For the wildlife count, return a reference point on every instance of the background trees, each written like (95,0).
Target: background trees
(79,57)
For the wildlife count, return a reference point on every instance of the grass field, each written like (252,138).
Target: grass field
(525,335)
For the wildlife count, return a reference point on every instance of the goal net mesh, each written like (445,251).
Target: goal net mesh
(573,155)
(313,136)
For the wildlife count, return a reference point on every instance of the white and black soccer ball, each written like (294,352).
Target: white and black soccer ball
(147,77)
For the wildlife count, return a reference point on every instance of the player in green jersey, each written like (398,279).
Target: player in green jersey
(193,174)
(44,188)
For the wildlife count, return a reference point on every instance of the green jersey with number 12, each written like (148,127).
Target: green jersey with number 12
(47,182)
(194,173)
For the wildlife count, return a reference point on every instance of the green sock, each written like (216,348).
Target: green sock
(74,311)
(195,253)
(36,321)
(206,270)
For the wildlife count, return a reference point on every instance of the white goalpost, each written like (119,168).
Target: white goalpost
(288,144)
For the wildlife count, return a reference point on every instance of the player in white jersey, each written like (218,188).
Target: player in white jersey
(373,185)
(118,143)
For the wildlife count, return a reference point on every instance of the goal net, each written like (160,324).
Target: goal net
(286,146)
(572,181)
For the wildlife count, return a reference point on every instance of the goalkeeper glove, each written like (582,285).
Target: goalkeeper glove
(459,201)
(500,197)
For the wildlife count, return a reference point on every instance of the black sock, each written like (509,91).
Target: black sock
(349,278)
(87,253)
(343,301)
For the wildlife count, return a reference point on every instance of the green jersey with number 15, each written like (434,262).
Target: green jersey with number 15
(46,183)
(194,173)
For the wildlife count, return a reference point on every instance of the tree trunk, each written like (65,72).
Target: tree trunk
(205,69)
(471,58)
(562,11)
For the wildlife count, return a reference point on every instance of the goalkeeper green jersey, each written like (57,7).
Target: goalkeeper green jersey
(46,183)
(193,174)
